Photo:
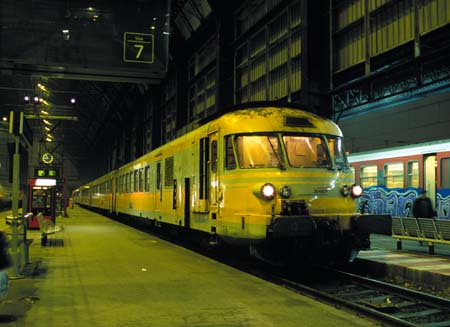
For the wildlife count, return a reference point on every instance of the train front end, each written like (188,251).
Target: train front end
(300,189)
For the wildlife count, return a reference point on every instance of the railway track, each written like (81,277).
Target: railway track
(380,301)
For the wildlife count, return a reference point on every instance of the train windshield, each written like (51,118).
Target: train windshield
(336,146)
(258,151)
(306,151)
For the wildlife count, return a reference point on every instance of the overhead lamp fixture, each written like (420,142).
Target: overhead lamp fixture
(66,34)
(46,122)
(44,112)
(48,129)
(48,139)
(4,118)
(26,99)
(73,100)
(36,99)
(50,136)
(42,87)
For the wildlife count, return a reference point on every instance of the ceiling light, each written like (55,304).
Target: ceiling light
(44,112)
(45,121)
(48,139)
(73,100)
(66,34)
(4,118)
(47,128)
(26,98)
(36,99)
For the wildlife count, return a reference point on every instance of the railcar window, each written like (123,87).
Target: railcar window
(147,178)
(445,173)
(306,151)
(258,151)
(368,176)
(135,181)
(230,160)
(413,174)
(394,175)
(141,180)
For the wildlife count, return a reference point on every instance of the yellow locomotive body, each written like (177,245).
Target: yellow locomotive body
(259,176)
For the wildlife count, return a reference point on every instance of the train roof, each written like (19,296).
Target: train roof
(401,151)
(267,118)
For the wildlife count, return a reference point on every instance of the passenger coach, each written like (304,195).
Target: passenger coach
(394,177)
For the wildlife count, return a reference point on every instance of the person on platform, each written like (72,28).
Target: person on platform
(422,207)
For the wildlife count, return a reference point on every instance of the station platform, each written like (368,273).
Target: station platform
(412,266)
(98,272)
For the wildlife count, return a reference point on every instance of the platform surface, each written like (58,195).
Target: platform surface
(98,272)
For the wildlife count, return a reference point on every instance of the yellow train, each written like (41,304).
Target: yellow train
(275,179)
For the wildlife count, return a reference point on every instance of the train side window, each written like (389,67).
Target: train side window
(394,175)
(368,175)
(147,179)
(230,160)
(136,180)
(413,174)
(141,180)
(131,182)
(445,173)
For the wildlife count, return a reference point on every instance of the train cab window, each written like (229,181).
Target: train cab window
(230,160)
(413,174)
(147,179)
(368,176)
(306,151)
(336,146)
(258,151)
(394,175)
(445,173)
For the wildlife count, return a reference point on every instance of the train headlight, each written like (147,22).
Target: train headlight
(356,191)
(285,191)
(268,191)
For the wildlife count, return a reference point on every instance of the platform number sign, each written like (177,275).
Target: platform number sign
(138,47)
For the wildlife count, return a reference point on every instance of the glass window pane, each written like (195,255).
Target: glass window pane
(393,175)
(368,176)
(306,151)
(258,151)
(413,174)
(445,173)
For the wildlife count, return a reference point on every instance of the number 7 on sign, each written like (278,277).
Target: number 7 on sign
(138,47)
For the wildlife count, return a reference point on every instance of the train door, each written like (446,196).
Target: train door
(429,177)
(214,176)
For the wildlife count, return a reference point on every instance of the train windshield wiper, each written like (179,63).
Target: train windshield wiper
(277,155)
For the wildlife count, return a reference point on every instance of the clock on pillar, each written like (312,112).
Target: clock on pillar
(47,158)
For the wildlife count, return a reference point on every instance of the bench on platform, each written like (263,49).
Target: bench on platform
(422,230)
(47,227)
